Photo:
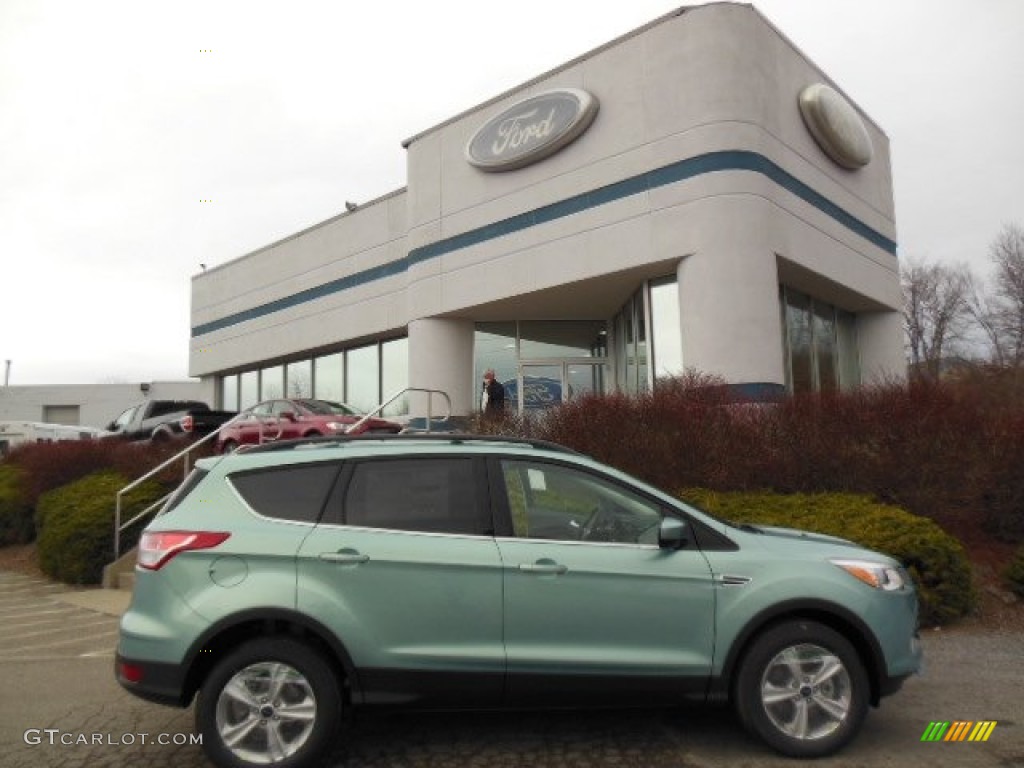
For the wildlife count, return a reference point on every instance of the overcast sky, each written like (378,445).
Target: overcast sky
(119,119)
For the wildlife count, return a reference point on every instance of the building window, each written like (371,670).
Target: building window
(299,379)
(495,348)
(394,375)
(329,377)
(562,338)
(550,361)
(362,382)
(229,393)
(248,389)
(630,328)
(272,383)
(820,344)
(374,373)
(666,329)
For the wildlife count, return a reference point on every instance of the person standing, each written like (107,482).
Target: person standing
(493,398)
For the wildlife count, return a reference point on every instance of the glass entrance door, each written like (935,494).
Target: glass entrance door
(540,386)
(543,385)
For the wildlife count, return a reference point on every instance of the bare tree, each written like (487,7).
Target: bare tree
(936,312)
(1001,313)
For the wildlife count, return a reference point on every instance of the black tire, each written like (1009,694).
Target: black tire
(819,686)
(229,446)
(305,681)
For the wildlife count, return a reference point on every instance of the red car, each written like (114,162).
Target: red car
(285,419)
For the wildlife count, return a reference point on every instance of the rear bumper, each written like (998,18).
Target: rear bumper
(152,681)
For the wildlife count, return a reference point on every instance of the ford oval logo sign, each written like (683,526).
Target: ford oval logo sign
(531,129)
(836,126)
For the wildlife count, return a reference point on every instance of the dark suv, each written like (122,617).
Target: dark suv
(287,583)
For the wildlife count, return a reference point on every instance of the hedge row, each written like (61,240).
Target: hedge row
(936,561)
(75,524)
(16,525)
(1014,574)
(949,451)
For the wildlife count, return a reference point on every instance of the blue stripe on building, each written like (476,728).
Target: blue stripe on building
(730,160)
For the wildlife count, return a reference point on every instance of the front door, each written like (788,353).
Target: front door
(593,606)
(543,385)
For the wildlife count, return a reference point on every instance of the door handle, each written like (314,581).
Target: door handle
(345,557)
(542,566)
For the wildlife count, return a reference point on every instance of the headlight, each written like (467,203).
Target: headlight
(877,575)
(336,426)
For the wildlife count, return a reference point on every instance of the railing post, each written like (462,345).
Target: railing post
(117,526)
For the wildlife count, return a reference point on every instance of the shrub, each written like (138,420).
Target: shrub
(1014,573)
(15,511)
(76,525)
(52,465)
(935,559)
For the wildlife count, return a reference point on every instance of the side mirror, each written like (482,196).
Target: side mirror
(111,427)
(288,415)
(673,533)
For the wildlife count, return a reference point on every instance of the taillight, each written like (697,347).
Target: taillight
(187,422)
(130,673)
(156,548)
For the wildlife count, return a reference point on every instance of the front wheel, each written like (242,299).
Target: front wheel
(272,701)
(802,688)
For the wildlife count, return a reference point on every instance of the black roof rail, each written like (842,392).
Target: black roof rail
(451,438)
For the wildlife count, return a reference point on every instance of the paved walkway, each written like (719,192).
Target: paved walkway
(46,621)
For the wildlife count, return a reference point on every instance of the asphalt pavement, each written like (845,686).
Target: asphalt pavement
(61,708)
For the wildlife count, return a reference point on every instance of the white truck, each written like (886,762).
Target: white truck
(14,433)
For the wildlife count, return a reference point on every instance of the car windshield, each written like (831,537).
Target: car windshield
(327,407)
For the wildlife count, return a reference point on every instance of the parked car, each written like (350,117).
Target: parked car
(281,419)
(284,584)
(167,419)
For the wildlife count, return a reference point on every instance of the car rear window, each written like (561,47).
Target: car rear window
(294,492)
(424,494)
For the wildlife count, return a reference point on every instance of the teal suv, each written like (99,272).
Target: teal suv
(282,585)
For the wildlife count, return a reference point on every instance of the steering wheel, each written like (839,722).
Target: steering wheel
(600,520)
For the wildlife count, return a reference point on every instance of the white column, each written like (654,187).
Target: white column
(729,311)
(441,357)
(880,342)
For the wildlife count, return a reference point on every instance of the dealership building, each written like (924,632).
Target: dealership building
(695,194)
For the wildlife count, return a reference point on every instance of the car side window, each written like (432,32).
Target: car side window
(125,418)
(432,495)
(263,409)
(282,406)
(292,492)
(553,501)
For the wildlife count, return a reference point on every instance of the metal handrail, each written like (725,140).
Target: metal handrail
(118,527)
(430,407)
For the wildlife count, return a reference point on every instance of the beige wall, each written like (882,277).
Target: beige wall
(714,78)
(98,404)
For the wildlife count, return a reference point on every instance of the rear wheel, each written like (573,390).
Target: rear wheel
(272,701)
(229,446)
(803,689)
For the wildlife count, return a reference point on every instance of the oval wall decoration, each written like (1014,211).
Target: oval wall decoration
(836,126)
(531,130)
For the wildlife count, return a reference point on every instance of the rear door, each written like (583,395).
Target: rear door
(405,570)
(594,609)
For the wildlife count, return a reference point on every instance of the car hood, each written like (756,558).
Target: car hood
(796,533)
